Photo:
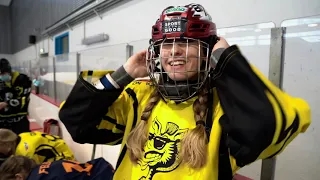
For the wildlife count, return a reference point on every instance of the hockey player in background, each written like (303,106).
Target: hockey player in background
(23,168)
(15,91)
(40,147)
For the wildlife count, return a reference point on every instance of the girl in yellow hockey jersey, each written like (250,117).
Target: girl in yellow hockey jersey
(206,113)
(38,146)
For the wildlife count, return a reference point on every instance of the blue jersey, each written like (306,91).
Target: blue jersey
(97,169)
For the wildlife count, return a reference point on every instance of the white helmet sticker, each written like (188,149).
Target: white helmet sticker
(200,12)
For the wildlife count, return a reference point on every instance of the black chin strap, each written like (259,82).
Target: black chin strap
(182,89)
(178,89)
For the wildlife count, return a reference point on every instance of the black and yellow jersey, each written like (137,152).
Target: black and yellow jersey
(43,147)
(97,169)
(258,119)
(17,94)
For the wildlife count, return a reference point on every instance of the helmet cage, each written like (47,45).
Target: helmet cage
(173,89)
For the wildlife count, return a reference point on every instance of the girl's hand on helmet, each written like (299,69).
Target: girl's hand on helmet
(136,65)
(222,43)
(217,51)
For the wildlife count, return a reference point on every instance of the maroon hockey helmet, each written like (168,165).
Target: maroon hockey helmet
(181,26)
(190,21)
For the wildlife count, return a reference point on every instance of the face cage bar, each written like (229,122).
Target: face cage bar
(154,58)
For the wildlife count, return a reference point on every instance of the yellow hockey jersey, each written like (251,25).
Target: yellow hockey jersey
(259,119)
(43,147)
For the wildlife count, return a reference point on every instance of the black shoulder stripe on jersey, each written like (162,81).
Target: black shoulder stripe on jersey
(209,120)
(292,129)
(47,151)
(284,132)
(225,169)
(133,95)
(113,121)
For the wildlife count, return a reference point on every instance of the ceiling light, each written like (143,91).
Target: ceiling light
(312,25)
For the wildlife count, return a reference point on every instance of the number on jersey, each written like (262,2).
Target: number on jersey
(71,166)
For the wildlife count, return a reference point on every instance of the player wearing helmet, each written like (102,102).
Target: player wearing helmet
(15,90)
(206,112)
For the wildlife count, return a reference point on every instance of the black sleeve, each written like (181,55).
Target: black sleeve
(84,109)
(260,119)
(87,107)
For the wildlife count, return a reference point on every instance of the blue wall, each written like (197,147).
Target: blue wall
(58,43)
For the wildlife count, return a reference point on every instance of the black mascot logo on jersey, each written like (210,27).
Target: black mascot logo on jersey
(161,150)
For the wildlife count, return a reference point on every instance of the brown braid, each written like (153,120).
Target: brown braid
(194,144)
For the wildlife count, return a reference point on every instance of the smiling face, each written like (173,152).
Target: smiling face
(182,59)
(178,67)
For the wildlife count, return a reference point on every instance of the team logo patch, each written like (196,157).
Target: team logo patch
(26,146)
(161,150)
